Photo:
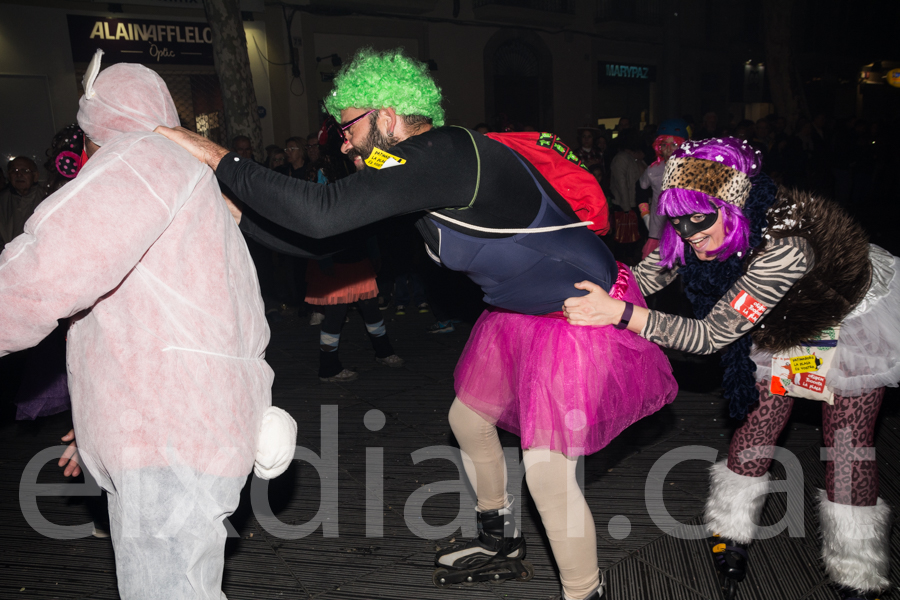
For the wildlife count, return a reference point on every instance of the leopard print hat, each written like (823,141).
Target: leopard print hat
(717,167)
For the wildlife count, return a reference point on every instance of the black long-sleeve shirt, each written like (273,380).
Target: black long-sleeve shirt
(472,178)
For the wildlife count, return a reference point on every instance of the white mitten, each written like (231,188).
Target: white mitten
(277,440)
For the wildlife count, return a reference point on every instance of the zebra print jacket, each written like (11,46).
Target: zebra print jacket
(814,257)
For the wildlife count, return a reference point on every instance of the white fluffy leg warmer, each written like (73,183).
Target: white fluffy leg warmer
(855,544)
(735,503)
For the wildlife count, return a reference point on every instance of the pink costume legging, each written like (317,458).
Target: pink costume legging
(848,425)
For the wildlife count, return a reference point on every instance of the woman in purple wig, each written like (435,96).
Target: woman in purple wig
(773,275)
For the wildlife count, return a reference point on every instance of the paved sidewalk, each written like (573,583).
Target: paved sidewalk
(640,560)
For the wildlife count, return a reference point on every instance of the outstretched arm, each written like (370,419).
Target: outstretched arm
(767,280)
(204,150)
(439,172)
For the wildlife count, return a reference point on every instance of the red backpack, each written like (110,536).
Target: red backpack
(564,171)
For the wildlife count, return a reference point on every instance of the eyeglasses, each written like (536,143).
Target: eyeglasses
(25,171)
(311,146)
(350,123)
(291,148)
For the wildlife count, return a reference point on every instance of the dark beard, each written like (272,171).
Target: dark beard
(375,139)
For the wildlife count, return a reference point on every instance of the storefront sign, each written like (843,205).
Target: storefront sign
(624,73)
(246,5)
(141,41)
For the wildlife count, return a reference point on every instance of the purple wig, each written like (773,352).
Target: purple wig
(674,202)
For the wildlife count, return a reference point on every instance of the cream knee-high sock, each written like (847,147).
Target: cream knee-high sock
(567,519)
(482,455)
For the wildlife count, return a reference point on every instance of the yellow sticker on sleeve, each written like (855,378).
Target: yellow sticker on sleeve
(804,364)
(379,159)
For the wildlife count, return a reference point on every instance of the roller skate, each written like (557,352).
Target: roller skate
(731,560)
(495,555)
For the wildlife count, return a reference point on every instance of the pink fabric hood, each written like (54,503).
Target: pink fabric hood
(128,98)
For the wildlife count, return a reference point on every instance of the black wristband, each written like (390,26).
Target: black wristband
(626,316)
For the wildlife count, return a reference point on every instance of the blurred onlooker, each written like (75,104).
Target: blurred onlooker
(271,150)
(745,130)
(242,146)
(297,165)
(626,169)
(333,284)
(708,128)
(18,201)
(624,124)
(587,150)
(795,155)
(601,143)
(779,129)
(313,150)
(691,124)
(670,135)
(318,162)
(278,159)
(763,134)
(482,128)
(606,149)
(599,173)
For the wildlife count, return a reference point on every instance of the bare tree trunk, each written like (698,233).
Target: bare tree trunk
(233,68)
(784,82)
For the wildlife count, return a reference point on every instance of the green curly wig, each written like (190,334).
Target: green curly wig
(386,79)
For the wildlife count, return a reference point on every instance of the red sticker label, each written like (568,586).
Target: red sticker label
(811,381)
(748,306)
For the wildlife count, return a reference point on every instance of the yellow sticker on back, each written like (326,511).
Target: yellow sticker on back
(379,159)
(804,364)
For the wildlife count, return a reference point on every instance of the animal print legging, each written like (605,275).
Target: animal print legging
(849,431)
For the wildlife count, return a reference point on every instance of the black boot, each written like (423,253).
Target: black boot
(731,560)
(848,594)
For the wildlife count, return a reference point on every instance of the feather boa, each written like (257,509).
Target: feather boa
(706,282)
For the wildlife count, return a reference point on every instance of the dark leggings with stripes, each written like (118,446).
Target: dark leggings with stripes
(851,476)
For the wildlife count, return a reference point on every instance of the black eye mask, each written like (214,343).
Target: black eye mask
(686,227)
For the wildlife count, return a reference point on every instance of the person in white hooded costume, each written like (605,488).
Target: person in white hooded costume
(166,348)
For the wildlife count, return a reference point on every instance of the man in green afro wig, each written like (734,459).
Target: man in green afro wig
(500,208)
(387,80)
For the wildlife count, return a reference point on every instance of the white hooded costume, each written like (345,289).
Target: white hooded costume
(166,349)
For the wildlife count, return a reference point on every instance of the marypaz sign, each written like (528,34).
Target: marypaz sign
(623,73)
(141,41)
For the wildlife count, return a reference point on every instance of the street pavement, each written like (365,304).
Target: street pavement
(366,525)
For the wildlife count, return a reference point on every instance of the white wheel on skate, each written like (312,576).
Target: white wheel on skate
(439,577)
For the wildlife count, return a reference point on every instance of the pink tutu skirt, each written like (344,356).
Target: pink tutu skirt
(568,388)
